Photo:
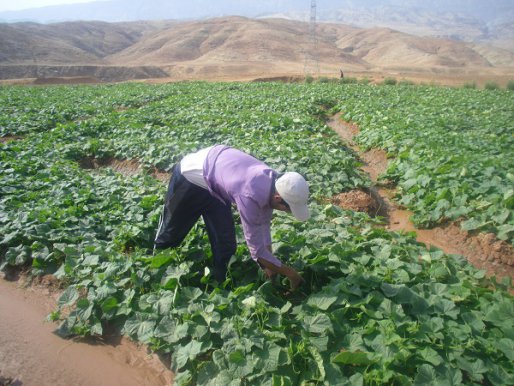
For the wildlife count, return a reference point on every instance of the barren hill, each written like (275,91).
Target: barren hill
(69,43)
(236,44)
(397,49)
(227,47)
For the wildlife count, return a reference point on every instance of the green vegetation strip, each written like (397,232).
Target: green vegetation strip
(377,307)
(452,151)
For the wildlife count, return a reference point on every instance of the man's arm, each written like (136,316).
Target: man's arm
(271,270)
(256,229)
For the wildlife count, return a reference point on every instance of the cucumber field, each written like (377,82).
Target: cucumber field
(377,307)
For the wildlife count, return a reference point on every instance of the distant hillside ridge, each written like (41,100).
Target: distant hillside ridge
(475,21)
(227,45)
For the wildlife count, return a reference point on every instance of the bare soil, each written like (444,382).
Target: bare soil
(66,80)
(124,167)
(358,201)
(10,138)
(484,251)
(31,354)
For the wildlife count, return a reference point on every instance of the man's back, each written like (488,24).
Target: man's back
(231,173)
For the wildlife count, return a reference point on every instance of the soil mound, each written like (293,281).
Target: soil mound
(357,200)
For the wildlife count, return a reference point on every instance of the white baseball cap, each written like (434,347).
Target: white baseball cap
(293,188)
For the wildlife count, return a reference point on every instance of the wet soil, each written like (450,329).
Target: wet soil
(32,354)
(484,251)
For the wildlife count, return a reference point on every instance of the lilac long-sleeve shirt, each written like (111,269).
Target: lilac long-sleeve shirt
(236,177)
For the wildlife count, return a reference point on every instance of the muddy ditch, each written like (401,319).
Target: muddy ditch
(484,251)
(31,353)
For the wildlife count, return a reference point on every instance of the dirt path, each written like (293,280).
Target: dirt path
(32,355)
(484,251)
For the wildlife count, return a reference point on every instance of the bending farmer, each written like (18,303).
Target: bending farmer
(208,182)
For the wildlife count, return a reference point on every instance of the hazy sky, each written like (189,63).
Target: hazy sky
(14,5)
(490,10)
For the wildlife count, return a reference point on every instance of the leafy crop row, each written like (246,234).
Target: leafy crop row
(451,148)
(377,307)
(28,109)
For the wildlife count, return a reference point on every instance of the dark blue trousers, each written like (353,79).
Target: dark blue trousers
(185,203)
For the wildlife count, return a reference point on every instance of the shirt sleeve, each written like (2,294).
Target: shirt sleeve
(256,223)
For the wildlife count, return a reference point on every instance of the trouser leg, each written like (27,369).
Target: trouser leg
(179,214)
(222,236)
(185,202)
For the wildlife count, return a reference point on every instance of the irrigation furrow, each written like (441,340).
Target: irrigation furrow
(483,251)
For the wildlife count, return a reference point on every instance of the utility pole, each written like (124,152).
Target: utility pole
(311,66)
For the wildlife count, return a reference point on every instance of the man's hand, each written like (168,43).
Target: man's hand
(271,270)
(295,279)
(270,274)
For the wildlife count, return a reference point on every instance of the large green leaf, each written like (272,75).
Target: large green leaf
(356,358)
(317,324)
(184,354)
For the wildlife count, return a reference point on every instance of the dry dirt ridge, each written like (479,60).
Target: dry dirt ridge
(484,251)
(125,167)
